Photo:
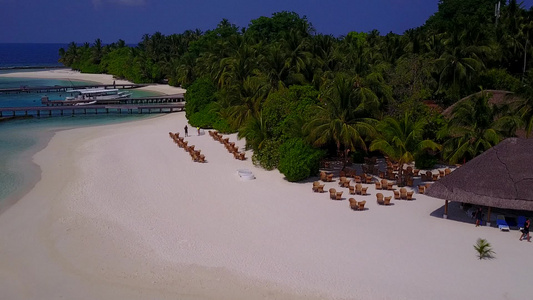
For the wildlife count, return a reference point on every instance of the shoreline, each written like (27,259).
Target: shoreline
(32,174)
(68,74)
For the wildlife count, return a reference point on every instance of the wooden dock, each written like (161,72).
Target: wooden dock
(90,109)
(62,89)
(140,100)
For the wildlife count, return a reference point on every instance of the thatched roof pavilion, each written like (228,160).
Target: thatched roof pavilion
(500,177)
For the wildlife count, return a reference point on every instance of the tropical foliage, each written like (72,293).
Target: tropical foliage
(483,249)
(297,96)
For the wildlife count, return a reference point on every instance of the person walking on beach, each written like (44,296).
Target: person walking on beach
(525,232)
(198,130)
(479,217)
(186,130)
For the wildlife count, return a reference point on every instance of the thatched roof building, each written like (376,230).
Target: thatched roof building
(500,177)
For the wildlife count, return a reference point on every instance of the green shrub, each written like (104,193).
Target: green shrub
(298,160)
(199,95)
(222,126)
(205,118)
(268,155)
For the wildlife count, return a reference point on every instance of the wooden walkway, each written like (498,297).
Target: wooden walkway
(90,109)
(57,88)
(141,100)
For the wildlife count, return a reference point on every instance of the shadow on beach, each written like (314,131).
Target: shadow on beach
(464,213)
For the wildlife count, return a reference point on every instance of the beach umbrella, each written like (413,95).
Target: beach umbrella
(500,177)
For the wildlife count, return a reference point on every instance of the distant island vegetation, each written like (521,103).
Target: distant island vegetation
(299,97)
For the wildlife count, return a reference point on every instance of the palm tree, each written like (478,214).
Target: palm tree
(524,109)
(459,64)
(255,131)
(476,126)
(96,54)
(245,101)
(342,118)
(402,140)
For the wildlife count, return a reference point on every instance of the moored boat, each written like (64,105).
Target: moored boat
(96,94)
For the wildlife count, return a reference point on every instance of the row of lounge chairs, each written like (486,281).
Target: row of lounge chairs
(196,155)
(502,224)
(230,146)
(429,176)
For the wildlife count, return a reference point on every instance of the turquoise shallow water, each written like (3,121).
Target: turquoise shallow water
(20,139)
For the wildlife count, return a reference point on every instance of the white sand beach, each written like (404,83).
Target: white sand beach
(97,78)
(121,212)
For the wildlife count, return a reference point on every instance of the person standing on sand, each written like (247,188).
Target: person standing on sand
(186,130)
(479,217)
(525,231)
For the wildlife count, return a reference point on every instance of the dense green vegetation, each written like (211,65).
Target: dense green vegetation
(297,96)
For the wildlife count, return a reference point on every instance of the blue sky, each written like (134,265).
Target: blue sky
(63,21)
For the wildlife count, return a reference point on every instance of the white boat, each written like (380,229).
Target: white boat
(96,94)
(85,103)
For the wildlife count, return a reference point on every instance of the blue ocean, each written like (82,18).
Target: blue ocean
(20,139)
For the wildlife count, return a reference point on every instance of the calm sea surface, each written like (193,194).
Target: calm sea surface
(21,139)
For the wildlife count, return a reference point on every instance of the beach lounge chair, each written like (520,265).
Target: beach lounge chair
(353,203)
(346,183)
(363,190)
(389,186)
(379,199)
(358,179)
(403,193)
(368,178)
(329,178)
(384,184)
(502,224)
(386,200)
(447,171)
(358,188)
(338,196)
(201,158)
(321,188)
(361,205)
(378,185)
(521,222)
(315,186)
(435,177)
(396,194)
(323,176)
(341,181)
(410,195)
(421,189)
(415,172)
(332,194)
(352,189)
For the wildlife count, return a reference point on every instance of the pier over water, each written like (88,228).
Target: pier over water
(58,88)
(150,104)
